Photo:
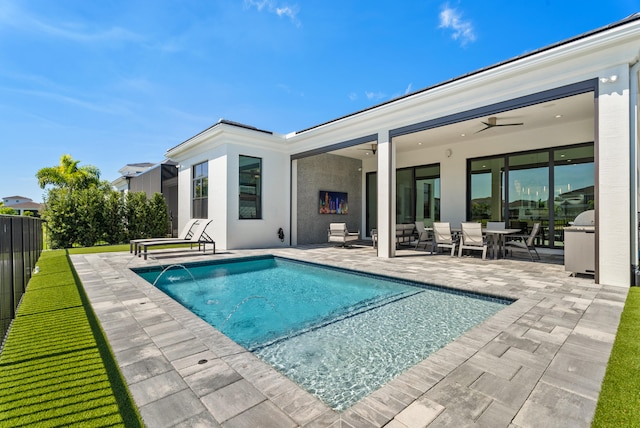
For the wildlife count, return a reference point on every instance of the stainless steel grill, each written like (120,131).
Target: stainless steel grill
(580,244)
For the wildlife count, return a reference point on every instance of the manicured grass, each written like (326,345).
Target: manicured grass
(619,401)
(56,368)
(99,249)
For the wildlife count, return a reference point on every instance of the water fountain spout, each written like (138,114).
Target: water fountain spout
(171,267)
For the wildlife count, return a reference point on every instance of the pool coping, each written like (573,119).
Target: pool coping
(537,362)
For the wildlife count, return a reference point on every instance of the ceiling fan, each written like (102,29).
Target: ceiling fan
(373,148)
(492,121)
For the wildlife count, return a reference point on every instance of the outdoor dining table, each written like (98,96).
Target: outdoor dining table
(498,242)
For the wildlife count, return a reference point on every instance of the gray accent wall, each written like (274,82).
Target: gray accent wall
(330,173)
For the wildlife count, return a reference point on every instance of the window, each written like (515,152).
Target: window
(548,186)
(250,200)
(200,186)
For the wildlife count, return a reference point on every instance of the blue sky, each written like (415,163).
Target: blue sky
(122,81)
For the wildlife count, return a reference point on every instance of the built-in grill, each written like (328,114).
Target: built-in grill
(580,244)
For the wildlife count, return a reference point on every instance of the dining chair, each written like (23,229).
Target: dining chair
(443,238)
(423,234)
(526,242)
(472,239)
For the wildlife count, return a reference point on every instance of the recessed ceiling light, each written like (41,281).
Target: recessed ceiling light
(420,143)
(562,155)
(463,135)
(558,116)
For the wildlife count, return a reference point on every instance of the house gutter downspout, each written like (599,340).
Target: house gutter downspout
(633,146)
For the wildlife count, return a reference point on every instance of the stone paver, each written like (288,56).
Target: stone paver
(538,362)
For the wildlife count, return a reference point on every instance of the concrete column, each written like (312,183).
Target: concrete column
(386,196)
(613,240)
(294,202)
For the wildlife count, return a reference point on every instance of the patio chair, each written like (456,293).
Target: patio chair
(185,234)
(526,242)
(472,239)
(199,236)
(338,233)
(423,235)
(442,237)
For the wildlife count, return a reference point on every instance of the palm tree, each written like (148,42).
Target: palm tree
(69,175)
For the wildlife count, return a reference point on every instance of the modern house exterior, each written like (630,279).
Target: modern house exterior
(152,178)
(22,204)
(535,139)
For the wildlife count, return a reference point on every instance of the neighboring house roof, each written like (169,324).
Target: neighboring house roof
(135,168)
(132,170)
(17,197)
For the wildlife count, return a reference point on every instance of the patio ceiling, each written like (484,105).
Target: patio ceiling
(568,112)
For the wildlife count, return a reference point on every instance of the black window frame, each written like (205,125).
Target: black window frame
(250,188)
(200,190)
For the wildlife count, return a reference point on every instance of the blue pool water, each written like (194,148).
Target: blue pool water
(338,334)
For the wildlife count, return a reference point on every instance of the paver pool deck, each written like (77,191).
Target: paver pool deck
(537,363)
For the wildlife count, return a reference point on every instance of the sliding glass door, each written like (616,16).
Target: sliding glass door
(417,195)
(550,187)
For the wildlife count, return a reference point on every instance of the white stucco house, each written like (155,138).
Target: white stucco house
(22,204)
(537,138)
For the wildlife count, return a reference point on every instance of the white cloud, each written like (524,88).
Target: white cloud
(374,95)
(408,90)
(16,18)
(463,30)
(272,6)
(353,96)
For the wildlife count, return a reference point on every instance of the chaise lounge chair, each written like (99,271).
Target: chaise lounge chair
(185,234)
(338,233)
(199,236)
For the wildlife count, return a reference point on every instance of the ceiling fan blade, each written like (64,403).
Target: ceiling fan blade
(485,128)
(492,122)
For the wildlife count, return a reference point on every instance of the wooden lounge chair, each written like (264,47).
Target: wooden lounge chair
(199,236)
(185,234)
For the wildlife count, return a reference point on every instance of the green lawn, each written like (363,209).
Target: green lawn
(619,401)
(56,368)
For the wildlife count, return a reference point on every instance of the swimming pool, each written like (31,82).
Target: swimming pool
(337,333)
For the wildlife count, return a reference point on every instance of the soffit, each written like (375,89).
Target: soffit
(537,120)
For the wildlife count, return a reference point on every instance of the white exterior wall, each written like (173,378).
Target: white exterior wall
(221,146)
(259,233)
